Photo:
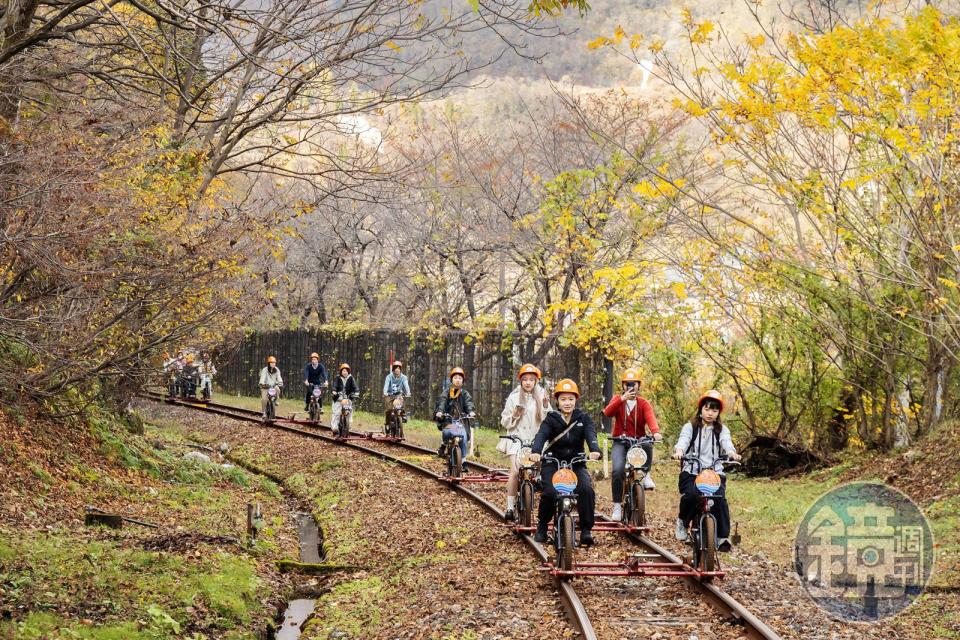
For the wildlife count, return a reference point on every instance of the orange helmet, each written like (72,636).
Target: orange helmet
(566,386)
(271,360)
(396,363)
(713,394)
(344,366)
(314,355)
(630,375)
(457,371)
(529,368)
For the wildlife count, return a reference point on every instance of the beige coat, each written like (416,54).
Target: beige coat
(527,425)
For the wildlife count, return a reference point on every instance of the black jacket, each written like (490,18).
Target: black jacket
(350,389)
(570,444)
(315,376)
(459,406)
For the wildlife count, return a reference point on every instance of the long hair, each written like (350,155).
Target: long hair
(697,422)
(538,394)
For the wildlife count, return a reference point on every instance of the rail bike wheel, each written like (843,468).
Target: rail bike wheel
(526,505)
(456,460)
(638,512)
(708,547)
(565,536)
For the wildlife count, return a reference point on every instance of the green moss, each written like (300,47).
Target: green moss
(47,626)
(116,443)
(40,473)
(350,608)
(230,590)
(57,572)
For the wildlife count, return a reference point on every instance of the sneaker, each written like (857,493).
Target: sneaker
(681,530)
(586,539)
(723,544)
(648,482)
(403,418)
(541,534)
(617,514)
(509,516)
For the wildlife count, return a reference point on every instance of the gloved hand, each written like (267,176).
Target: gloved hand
(534,458)
(658,437)
(594,455)
(677,454)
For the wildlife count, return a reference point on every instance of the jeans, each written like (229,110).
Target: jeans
(619,455)
(586,498)
(449,435)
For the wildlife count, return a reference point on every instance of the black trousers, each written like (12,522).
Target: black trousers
(690,503)
(586,498)
(619,467)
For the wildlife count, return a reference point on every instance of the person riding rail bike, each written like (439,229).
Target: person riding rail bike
(395,384)
(345,387)
(270,378)
(522,415)
(563,435)
(314,374)
(706,437)
(455,401)
(207,371)
(633,417)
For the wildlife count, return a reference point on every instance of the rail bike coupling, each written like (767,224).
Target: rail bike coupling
(634,516)
(528,481)
(315,406)
(702,531)
(393,426)
(273,396)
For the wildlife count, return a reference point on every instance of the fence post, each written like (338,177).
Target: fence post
(607,391)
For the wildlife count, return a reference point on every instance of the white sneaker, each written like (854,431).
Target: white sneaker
(648,482)
(617,514)
(681,531)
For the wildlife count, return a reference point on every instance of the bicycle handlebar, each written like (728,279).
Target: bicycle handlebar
(636,441)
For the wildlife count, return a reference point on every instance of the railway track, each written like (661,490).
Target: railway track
(729,610)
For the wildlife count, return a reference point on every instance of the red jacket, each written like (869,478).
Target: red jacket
(635,425)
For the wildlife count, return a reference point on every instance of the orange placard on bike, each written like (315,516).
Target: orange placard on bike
(708,482)
(564,481)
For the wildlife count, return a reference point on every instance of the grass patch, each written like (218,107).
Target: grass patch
(55,576)
(944,519)
(117,444)
(351,608)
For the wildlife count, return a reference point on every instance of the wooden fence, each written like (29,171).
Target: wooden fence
(491,364)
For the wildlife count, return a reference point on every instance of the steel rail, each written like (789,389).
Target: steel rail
(723,602)
(576,612)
